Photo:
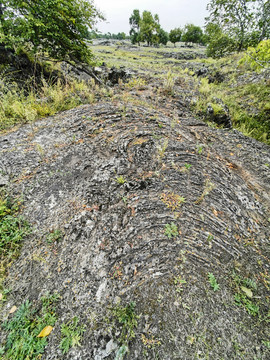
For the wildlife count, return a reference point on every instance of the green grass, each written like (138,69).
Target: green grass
(245,290)
(171,230)
(13,230)
(127,319)
(71,334)
(19,106)
(27,322)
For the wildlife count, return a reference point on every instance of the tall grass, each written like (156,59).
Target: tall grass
(19,106)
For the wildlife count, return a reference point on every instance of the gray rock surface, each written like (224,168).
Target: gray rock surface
(112,176)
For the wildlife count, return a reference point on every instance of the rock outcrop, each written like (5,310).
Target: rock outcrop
(150,206)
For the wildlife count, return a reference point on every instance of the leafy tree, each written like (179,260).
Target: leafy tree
(55,27)
(163,36)
(234,17)
(175,35)
(219,44)
(192,34)
(149,28)
(244,22)
(134,22)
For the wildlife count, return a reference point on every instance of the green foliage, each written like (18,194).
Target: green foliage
(193,34)
(19,107)
(71,334)
(54,236)
(219,43)
(57,28)
(22,341)
(13,230)
(213,282)
(163,37)
(171,230)
(257,57)
(134,22)
(146,28)
(175,35)
(244,294)
(127,318)
(241,23)
(149,28)
(120,180)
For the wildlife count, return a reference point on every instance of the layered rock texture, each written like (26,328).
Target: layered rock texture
(150,207)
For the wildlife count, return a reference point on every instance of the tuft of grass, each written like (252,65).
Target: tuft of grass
(71,334)
(120,180)
(19,106)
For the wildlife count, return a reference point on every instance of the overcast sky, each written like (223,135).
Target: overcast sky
(172,13)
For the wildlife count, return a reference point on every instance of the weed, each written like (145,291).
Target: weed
(22,341)
(187,166)
(169,83)
(150,343)
(127,318)
(171,230)
(162,148)
(17,107)
(179,282)
(54,236)
(71,334)
(172,200)
(244,293)
(120,180)
(209,186)
(13,230)
(213,282)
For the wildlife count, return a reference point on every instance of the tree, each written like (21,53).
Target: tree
(149,28)
(234,17)
(219,44)
(134,22)
(55,27)
(192,34)
(175,35)
(163,37)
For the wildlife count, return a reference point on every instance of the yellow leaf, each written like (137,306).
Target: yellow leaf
(247,291)
(1,296)
(45,332)
(13,309)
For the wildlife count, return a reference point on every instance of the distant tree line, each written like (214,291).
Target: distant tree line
(232,25)
(98,35)
(146,28)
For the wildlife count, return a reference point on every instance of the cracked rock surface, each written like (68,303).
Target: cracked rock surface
(113,177)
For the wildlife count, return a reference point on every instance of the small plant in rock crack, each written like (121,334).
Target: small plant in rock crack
(171,230)
(213,282)
(71,334)
(120,180)
(244,295)
(127,318)
(54,236)
(187,166)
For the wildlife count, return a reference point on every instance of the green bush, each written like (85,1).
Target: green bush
(258,57)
